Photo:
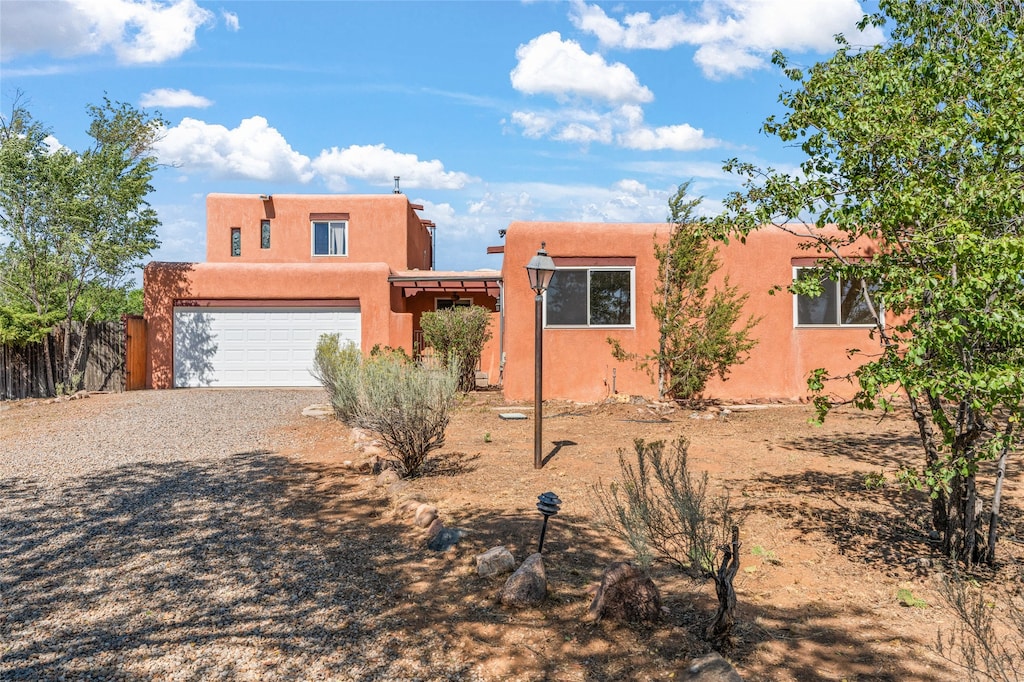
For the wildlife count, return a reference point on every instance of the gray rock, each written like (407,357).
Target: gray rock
(528,586)
(387,477)
(495,561)
(711,668)
(444,539)
(626,594)
(318,411)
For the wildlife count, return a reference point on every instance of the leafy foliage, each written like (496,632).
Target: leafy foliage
(407,405)
(458,335)
(914,151)
(74,225)
(697,325)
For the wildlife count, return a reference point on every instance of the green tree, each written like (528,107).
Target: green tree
(74,222)
(916,146)
(697,325)
(458,335)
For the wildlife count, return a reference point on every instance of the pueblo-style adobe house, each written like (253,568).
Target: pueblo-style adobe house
(281,270)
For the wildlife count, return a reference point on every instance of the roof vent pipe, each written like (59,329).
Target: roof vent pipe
(397,191)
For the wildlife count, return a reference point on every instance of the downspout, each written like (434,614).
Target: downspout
(433,246)
(501,333)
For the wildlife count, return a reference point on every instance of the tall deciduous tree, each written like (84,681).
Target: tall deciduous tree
(917,145)
(74,222)
(698,336)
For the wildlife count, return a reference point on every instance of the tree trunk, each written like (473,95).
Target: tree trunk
(997,496)
(940,516)
(720,631)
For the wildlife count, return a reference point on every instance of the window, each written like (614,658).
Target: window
(841,303)
(264,234)
(590,297)
(236,241)
(454,302)
(330,237)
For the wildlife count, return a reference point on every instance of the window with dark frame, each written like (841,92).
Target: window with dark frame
(590,297)
(264,234)
(841,303)
(236,241)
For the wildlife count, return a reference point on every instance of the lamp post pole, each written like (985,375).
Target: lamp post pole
(538,381)
(540,269)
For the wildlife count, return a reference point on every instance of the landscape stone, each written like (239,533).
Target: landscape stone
(626,594)
(318,411)
(445,539)
(711,668)
(387,477)
(435,527)
(495,561)
(425,515)
(528,586)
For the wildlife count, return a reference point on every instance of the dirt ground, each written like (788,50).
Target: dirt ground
(826,549)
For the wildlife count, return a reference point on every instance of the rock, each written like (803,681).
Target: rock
(435,527)
(387,477)
(372,451)
(495,561)
(398,487)
(318,411)
(408,507)
(78,395)
(528,586)
(445,539)
(711,668)
(626,594)
(425,515)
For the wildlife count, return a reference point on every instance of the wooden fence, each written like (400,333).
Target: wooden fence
(109,348)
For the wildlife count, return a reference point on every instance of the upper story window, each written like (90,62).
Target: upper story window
(590,297)
(330,237)
(841,303)
(236,241)
(264,234)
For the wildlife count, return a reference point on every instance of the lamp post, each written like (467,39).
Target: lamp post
(540,269)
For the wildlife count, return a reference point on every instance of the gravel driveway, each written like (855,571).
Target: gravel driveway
(157,535)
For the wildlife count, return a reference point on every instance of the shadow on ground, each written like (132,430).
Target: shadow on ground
(260,566)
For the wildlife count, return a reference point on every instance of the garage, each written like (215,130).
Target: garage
(254,346)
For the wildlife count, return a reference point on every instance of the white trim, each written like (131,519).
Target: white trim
(312,239)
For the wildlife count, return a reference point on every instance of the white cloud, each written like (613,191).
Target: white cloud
(171,99)
(378,165)
(732,36)
(623,126)
(138,31)
(253,150)
(552,66)
(230,20)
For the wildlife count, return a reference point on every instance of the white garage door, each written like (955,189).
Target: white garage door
(254,346)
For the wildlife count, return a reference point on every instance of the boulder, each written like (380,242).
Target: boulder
(711,668)
(318,411)
(626,594)
(387,477)
(528,586)
(495,561)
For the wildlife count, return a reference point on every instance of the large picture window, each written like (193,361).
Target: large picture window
(330,237)
(841,303)
(590,297)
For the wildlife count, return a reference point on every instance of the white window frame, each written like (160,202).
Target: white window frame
(312,239)
(589,269)
(839,306)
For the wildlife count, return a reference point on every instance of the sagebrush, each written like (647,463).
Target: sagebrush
(408,406)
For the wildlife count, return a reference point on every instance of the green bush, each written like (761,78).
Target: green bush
(458,336)
(408,406)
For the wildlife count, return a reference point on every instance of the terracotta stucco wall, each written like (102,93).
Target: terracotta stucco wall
(168,283)
(382,228)
(578,364)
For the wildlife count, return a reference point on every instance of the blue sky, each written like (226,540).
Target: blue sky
(489,111)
